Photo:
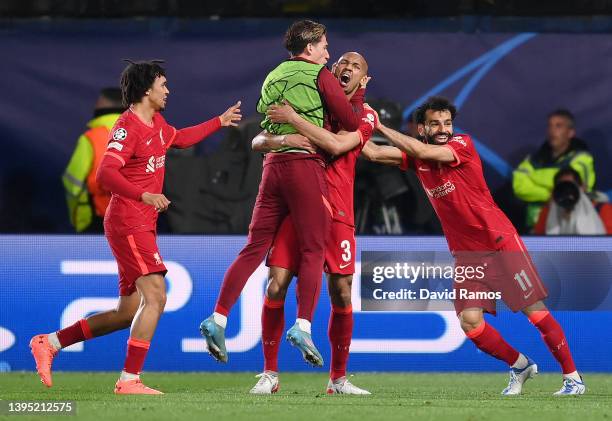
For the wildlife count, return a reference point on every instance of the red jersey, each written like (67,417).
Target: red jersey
(142,150)
(471,220)
(340,174)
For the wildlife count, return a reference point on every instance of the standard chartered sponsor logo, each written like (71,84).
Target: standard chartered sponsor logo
(154,163)
(151,165)
(442,190)
(459,139)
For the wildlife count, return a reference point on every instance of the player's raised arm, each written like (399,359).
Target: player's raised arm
(335,144)
(189,136)
(417,149)
(381,154)
(268,142)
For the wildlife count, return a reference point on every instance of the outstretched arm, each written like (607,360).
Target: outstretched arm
(416,148)
(335,144)
(381,154)
(189,136)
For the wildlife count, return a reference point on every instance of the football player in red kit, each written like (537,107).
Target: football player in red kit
(284,258)
(133,170)
(292,181)
(479,234)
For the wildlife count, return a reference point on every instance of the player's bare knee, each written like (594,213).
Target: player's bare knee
(276,291)
(468,326)
(470,320)
(125,317)
(339,288)
(125,320)
(539,306)
(155,299)
(160,299)
(341,298)
(156,304)
(153,291)
(278,283)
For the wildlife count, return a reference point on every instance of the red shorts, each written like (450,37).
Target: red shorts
(508,273)
(339,254)
(137,255)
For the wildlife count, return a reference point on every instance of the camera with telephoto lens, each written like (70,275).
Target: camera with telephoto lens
(566,194)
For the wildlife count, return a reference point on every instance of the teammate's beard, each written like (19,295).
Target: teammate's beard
(431,139)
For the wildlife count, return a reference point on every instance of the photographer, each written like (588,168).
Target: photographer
(571,211)
(533,179)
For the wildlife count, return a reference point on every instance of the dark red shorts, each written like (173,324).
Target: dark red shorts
(508,273)
(339,253)
(137,255)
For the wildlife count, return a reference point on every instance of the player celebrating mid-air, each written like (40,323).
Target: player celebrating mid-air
(478,231)
(133,170)
(293,181)
(284,259)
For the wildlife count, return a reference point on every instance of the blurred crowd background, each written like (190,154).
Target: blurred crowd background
(531,81)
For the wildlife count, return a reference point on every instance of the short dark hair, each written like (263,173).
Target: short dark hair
(137,78)
(562,112)
(567,171)
(434,103)
(301,33)
(113,95)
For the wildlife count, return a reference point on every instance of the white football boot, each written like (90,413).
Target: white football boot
(518,377)
(571,387)
(268,383)
(342,386)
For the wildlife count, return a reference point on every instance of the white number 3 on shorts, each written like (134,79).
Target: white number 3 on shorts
(345,245)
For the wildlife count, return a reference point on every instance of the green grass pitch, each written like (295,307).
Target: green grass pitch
(401,396)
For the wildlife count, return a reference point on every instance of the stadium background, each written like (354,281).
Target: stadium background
(506,74)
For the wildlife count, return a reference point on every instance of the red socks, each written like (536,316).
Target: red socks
(136,354)
(340,332)
(553,336)
(77,332)
(488,340)
(272,324)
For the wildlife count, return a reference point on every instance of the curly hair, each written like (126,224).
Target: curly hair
(137,78)
(434,103)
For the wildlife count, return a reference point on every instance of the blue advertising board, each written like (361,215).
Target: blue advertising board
(52,281)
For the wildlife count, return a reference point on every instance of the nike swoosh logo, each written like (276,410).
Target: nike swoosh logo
(345,265)
(421,168)
(149,141)
(527,295)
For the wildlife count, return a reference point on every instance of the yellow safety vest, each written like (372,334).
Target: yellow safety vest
(83,195)
(534,184)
